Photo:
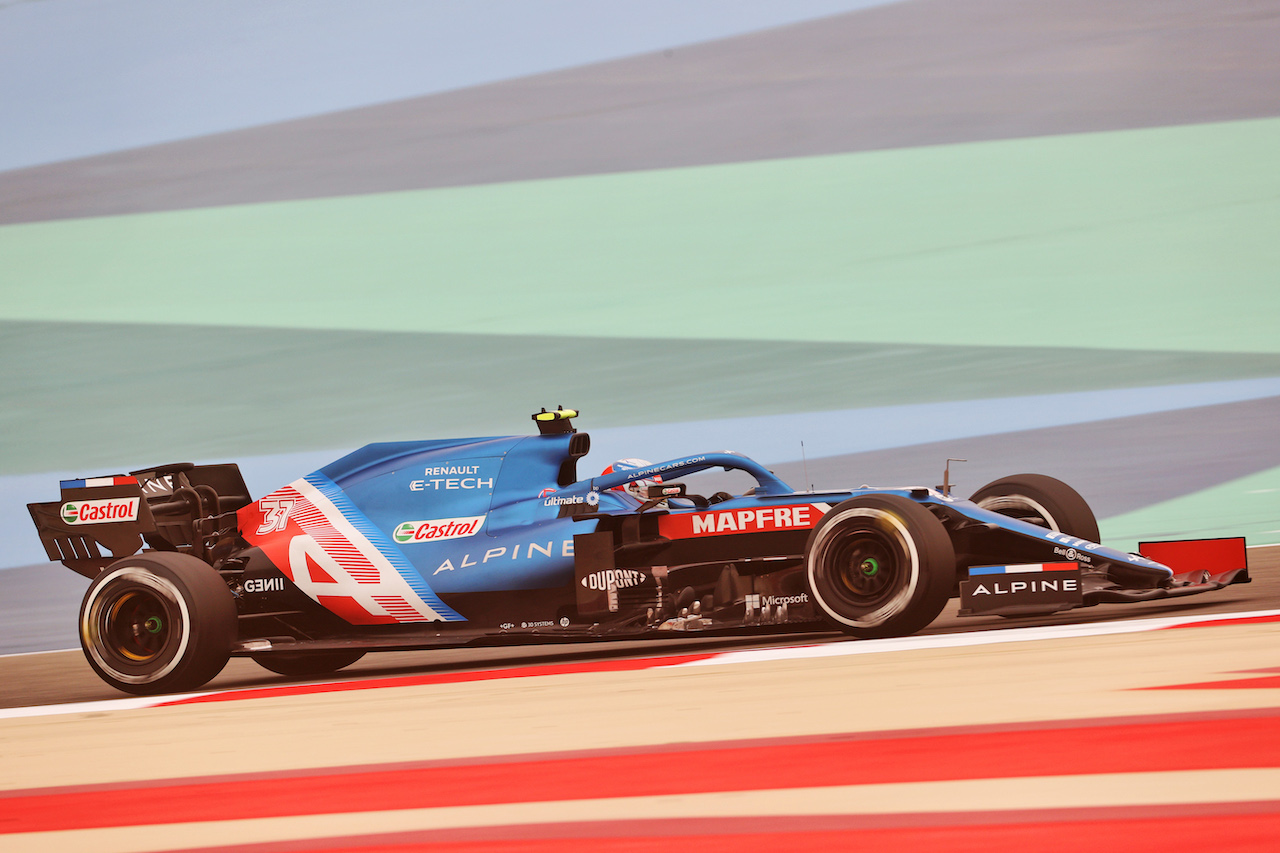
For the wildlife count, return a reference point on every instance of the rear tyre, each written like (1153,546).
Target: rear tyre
(1042,501)
(157,623)
(880,566)
(307,663)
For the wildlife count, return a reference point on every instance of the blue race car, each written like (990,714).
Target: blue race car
(410,545)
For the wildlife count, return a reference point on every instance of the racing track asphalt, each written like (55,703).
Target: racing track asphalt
(63,677)
(1113,740)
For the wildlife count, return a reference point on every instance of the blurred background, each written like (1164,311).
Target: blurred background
(849,239)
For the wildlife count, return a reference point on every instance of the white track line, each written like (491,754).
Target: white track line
(838,649)
(974,638)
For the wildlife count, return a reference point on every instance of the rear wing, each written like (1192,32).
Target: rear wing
(181,507)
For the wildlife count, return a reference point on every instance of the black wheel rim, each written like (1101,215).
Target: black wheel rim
(136,628)
(867,568)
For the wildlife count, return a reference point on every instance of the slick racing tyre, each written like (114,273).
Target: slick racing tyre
(157,623)
(307,663)
(1041,500)
(880,566)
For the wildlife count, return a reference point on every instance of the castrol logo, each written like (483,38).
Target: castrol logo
(437,529)
(109,511)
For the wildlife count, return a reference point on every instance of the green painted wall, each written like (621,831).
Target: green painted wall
(968,271)
(1147,239)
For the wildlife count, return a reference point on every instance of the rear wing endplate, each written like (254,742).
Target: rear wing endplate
(95,514)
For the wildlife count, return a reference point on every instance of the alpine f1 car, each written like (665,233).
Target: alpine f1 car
(411,545)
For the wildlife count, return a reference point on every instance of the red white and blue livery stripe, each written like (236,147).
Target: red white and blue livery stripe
(1024,567)
(95,482)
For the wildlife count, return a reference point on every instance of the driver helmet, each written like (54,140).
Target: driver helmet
(636,488)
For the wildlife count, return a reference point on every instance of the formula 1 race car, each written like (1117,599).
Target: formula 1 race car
(411,545)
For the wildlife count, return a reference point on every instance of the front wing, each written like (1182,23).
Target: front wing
(1197,565)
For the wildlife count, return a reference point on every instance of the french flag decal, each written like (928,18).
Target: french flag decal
(1021,588)
(94,482)
(1024,567)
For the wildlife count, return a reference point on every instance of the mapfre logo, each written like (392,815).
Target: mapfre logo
(437,529)
(758,519)
(109,511)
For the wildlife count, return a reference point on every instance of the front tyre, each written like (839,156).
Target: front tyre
(157,623)
(1040,500)
(880,566)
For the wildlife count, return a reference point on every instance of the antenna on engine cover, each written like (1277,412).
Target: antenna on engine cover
(945,488)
